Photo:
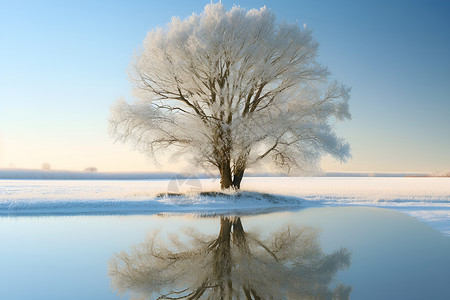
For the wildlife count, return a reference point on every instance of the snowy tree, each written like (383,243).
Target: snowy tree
(233,89)
(289,264)
(46,166)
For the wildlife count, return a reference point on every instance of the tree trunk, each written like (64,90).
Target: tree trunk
(225,176)
(239,237)
(237,178)
(229,180)
(223,260)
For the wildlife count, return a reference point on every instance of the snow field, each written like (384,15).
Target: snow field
(427,199)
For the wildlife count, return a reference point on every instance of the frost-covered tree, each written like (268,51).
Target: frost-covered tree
(91,169)
(289,264)
(46,166)
(233,89)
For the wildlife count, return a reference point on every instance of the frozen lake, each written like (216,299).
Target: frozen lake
(374,253)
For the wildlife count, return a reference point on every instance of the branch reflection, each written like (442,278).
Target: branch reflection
(288,264)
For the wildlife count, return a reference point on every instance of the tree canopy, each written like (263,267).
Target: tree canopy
(232,90)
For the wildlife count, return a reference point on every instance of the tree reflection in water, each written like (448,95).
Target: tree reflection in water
(289,264)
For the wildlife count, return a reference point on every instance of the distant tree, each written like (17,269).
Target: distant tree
(46,166)
(290,264)
(442,174)
(91,169)
(233,89)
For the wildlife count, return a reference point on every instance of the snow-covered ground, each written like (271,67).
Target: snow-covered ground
(427,199)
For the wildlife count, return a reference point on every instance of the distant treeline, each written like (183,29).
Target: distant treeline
(86,175)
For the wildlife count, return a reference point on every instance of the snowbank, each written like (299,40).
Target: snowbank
(68,198)
(427,199)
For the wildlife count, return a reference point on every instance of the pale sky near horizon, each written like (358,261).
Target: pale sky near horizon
(63,64)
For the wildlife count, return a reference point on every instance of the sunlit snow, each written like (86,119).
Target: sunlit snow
(427,199)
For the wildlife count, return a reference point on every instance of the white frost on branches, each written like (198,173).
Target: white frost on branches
(233,87)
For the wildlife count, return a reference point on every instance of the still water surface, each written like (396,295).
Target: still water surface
(366,253)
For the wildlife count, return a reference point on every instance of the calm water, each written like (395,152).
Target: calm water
(367,252)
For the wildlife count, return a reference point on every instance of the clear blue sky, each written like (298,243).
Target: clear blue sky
(63,63)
